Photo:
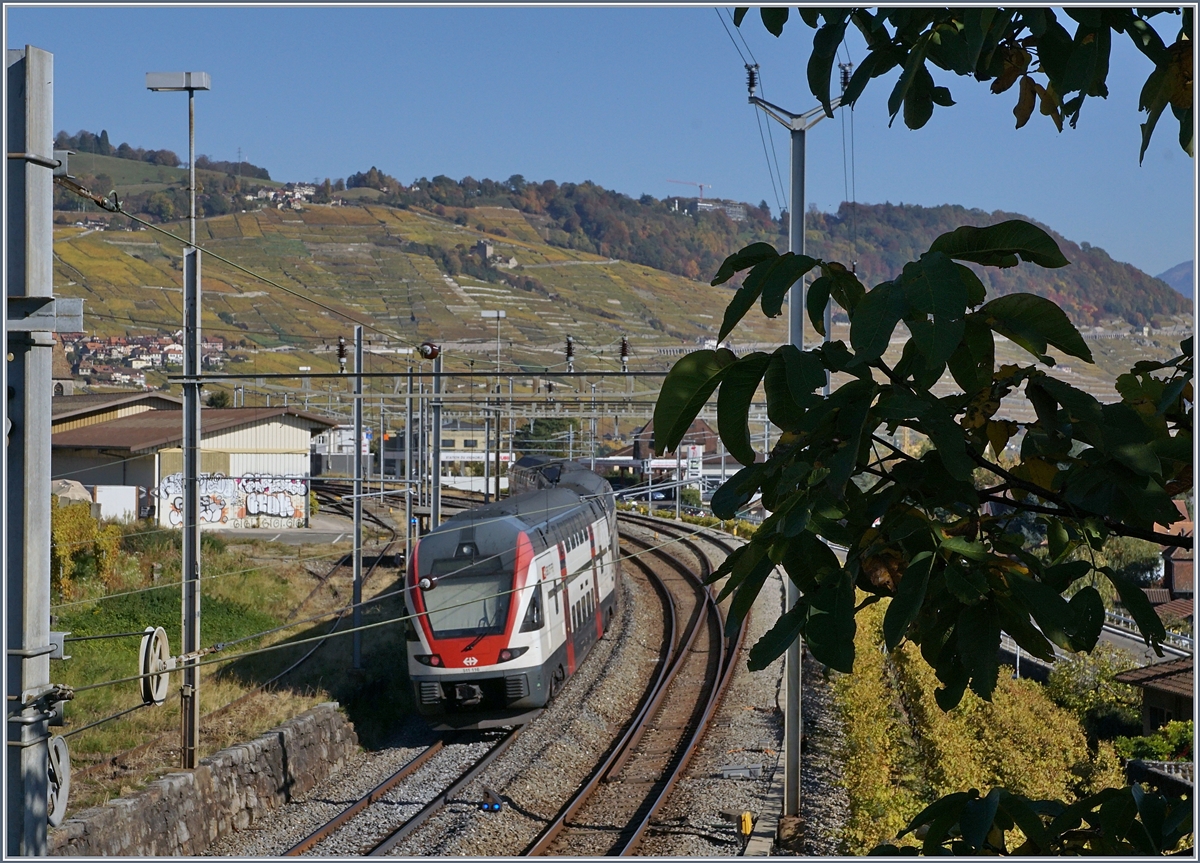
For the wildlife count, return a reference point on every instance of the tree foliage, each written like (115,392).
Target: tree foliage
(936,533)
(1029,48)
(1116,822)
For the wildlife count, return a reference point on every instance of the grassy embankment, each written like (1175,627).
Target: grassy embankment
(248,588)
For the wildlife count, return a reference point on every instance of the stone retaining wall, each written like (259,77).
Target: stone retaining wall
(184,812)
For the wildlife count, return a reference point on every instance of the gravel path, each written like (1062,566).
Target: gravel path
(824,806)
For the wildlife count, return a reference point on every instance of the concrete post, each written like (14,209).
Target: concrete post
(358,493)
(189,690)
(29,253)
(435,499)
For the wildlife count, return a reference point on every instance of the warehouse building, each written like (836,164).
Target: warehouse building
(254,463)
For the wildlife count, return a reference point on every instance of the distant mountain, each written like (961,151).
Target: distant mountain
(690,240)
(1094,288)
(1181,277)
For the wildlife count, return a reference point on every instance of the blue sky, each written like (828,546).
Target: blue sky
(627,97)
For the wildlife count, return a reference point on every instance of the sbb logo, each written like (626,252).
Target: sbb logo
(470,660)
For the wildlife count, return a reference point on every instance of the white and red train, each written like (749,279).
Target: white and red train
(507,599)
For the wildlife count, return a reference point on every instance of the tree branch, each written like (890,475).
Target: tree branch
(1171,539)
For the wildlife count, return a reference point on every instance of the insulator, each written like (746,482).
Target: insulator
(341,348)
(751,78)
(624,347)
(570,348)
(846,68)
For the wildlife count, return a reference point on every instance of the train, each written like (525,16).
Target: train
(506,600)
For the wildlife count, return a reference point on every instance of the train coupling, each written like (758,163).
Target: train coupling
(468,694)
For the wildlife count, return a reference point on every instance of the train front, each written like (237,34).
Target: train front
(474,655)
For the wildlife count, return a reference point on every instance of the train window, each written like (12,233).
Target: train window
(533,617)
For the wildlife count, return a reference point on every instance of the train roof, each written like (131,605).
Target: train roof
(532,508)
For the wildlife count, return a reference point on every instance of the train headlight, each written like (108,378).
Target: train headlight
(429,659)
(427,583)
(509,653)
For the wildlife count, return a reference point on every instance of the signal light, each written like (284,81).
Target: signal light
(429,659)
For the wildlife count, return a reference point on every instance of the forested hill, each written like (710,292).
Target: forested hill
(1094,288)
(880,237)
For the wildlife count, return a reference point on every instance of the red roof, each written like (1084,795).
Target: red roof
(1181,609)
(1157,595)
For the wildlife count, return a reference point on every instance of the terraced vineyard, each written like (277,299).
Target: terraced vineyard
(352,258)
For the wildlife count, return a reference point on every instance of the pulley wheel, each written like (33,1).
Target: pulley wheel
(152,661)
(60,781)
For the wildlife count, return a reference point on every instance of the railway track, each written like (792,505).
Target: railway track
(629,787)
(379,821)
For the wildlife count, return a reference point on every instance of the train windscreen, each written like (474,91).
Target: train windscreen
(471,598)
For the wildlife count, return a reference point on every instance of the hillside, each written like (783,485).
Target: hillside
(1181,277)
(1093,290)
(670,235)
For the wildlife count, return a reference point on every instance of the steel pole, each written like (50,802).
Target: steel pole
(29,271)
(678,478)
(435,500)
(408,421)
(189,691)
(358,492)
(487,458)
(192,167)
(791,712)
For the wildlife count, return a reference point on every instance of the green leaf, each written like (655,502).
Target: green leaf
(684,392)
(777,640)
(1054,616)
(1139,608)
(1033,322)
(976,292)
(830,628)
(782,276)
(978,816)
(914,61)
(820,62)
(736,491)
(1087,608)
(1056,538)
(804,374)
(933,287)
(948,440)
(999,245)
(773,18)
(974,359)
(816,298)
(1015,621)
(747,294)
(739,13)
(782,408)
(875,320)
(738,385)
(967,584)
(750,256)
(918,101)
(1019,810)
(910,594)
(747,593)
(968,549)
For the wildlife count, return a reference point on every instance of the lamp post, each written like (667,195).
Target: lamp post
(189,690)
(798,125)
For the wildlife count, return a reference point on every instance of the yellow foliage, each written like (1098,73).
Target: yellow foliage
(881,801)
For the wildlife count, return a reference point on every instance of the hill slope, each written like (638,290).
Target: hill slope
(1181,277)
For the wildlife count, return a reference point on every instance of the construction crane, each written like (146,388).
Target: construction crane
(700,186)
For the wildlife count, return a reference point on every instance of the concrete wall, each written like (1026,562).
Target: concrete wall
(183,813)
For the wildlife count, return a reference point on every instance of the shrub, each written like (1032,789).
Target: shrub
(1172,742)
(1084,684)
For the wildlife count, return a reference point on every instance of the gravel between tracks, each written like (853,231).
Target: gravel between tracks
(746,731)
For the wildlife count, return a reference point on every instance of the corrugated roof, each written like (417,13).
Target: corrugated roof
(1178,608)
(62,407)
(1174,677)
(151,430)
(1157,595)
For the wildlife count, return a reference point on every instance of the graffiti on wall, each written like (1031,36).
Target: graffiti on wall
(253,500)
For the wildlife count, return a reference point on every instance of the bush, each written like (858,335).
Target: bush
(1172,742)
(1084,684)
